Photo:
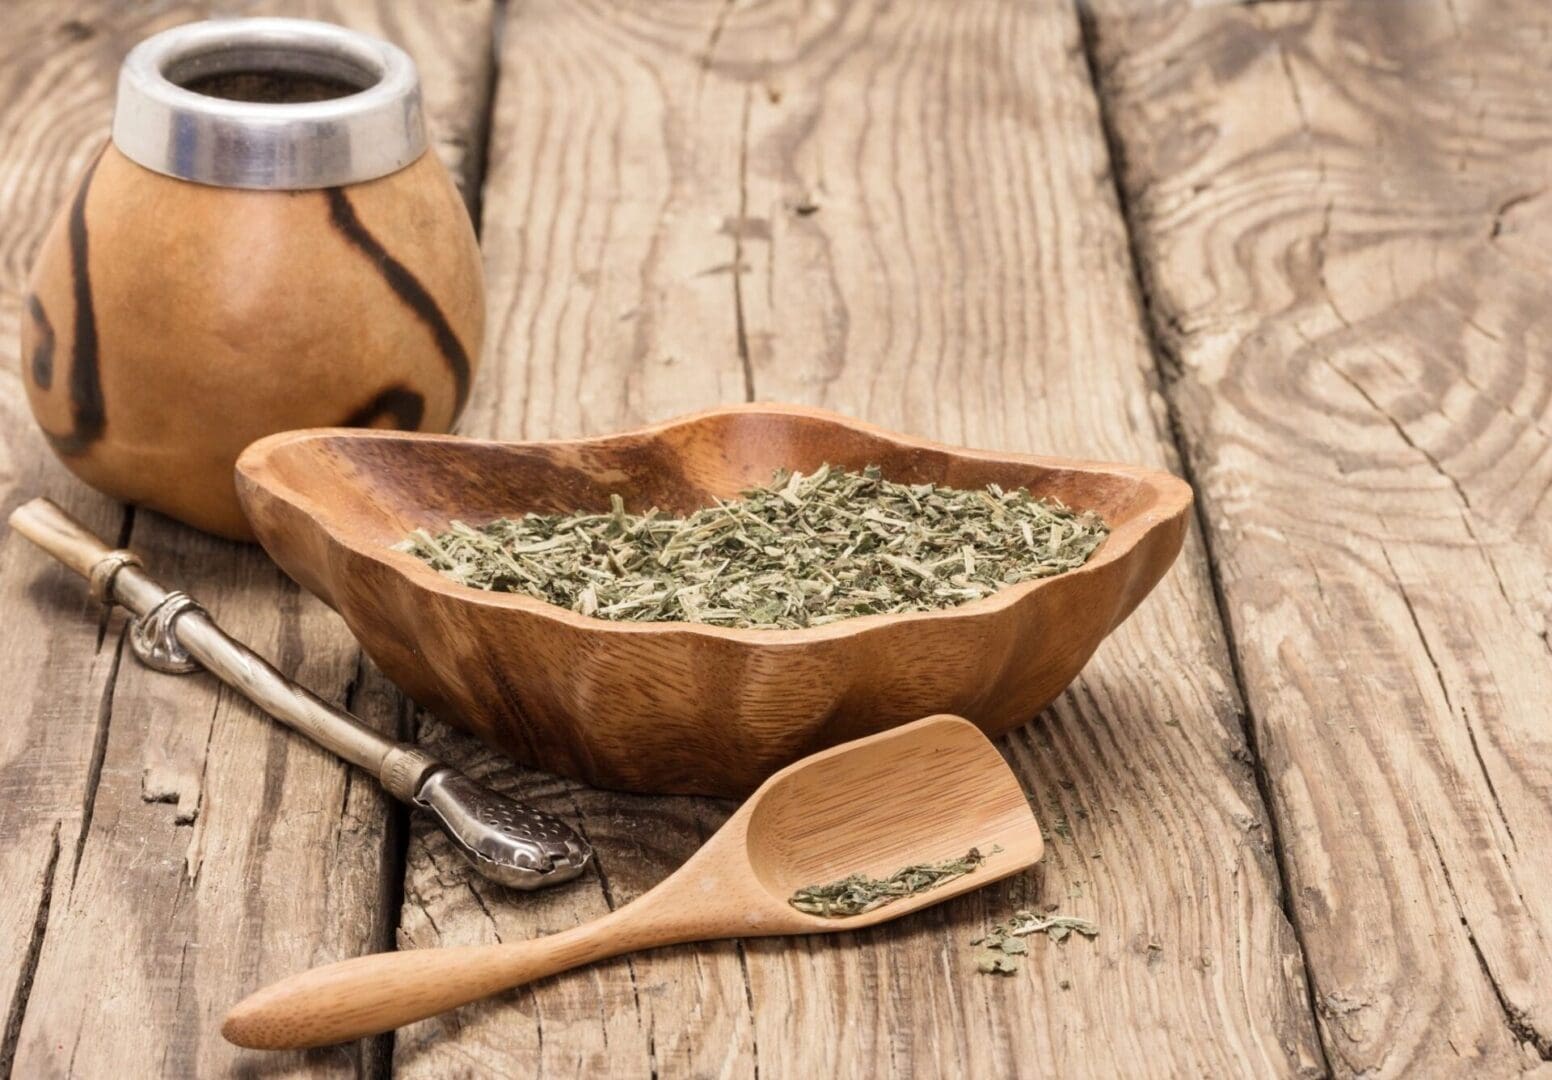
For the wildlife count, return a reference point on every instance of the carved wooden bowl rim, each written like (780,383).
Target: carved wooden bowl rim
(1172,497)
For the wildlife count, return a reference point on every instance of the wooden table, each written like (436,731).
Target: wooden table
(1296,251)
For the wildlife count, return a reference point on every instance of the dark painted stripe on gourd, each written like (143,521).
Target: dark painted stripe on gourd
(87,414)
(43,355)
(401,404)
(408,288)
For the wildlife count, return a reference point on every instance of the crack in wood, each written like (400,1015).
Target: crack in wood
(474,891)
(1515,1017)
(743,966)
(1396,424)
(1487,393)
(99,753)
(717,26)
(29,965)
(739,328)
(377,1052)
(193,856)
(1495,229)
(630,961)
(1438,674)
(471,179)
(1487,554)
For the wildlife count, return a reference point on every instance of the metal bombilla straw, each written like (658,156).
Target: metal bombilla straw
(502,839)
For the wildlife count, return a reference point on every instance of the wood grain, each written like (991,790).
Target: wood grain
(1343,213)
(904,213)
(172,847)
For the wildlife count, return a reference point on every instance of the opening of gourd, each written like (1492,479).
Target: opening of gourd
(272,76)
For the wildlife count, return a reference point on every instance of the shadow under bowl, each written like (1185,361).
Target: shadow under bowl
(682,707)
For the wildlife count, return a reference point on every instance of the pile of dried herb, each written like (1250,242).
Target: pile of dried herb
(859,893)
(802,551)
(1004,943)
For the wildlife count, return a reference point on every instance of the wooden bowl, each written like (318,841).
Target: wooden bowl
(681,707)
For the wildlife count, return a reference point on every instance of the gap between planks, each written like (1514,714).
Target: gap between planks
(1266,266)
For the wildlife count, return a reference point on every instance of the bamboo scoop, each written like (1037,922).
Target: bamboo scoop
(925,792)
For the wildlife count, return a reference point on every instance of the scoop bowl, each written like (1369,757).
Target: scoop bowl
(681,707)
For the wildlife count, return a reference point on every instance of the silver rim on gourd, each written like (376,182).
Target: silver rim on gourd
(278,104)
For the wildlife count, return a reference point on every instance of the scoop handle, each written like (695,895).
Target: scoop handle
(62,536)
(372,994)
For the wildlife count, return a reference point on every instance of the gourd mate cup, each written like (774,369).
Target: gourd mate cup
(265,244)
(682,707)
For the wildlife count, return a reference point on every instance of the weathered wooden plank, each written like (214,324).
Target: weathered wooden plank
(608,306)
(1343,213)
(945,255)
(56,672)
(221,851)
(903,212)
